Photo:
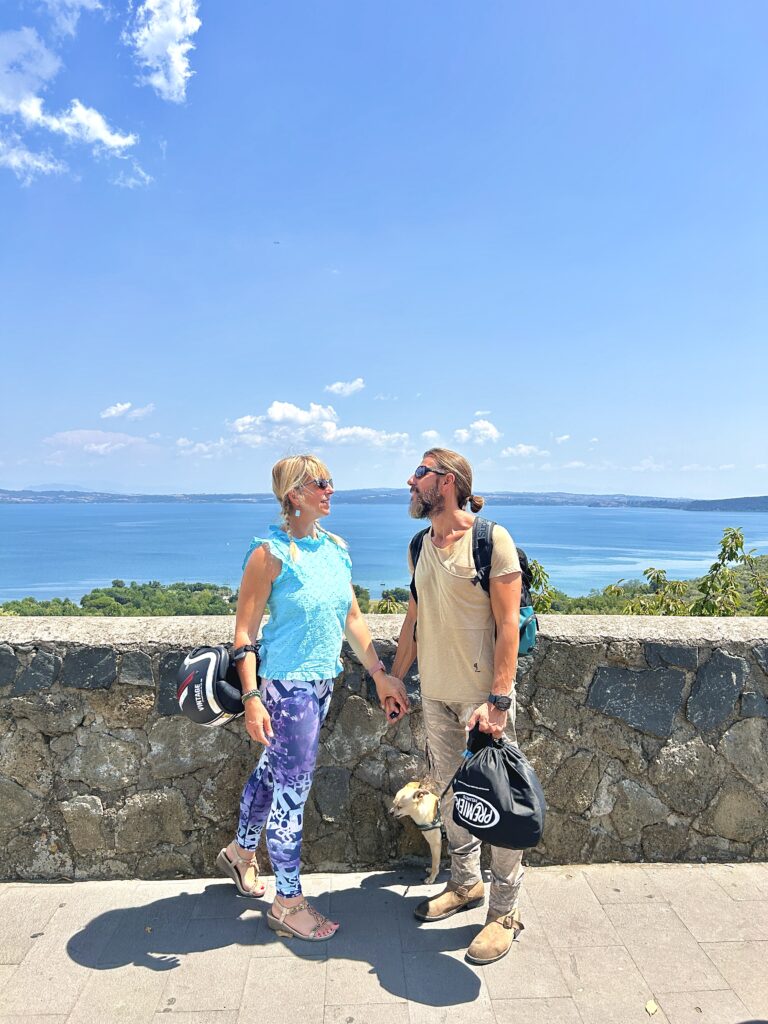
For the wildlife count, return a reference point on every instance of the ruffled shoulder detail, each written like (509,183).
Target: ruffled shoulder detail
(255,543)
(277,542)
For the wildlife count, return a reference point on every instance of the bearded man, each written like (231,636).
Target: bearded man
(467,643)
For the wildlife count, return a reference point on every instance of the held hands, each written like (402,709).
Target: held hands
(392,696)
(488,718)
(257,722)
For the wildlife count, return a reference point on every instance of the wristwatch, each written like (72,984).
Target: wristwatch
(502,702)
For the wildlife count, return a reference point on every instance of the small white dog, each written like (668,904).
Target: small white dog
(417,802)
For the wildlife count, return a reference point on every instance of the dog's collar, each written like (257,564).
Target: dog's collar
(436,822)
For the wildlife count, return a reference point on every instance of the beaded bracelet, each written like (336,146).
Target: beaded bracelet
(249,694)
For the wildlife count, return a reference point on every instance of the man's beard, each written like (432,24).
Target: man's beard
(425,504)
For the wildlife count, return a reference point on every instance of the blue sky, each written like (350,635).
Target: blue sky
(532,232)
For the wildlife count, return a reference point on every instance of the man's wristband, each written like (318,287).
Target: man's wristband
(250,693)
(378,666)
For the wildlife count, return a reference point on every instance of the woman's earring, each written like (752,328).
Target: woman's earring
(297,512)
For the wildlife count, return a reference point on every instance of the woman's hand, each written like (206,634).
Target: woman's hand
(257,721)
(392,696)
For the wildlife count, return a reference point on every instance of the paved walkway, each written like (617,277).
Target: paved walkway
(603,944)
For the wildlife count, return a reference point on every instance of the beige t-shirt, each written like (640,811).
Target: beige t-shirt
(455,631)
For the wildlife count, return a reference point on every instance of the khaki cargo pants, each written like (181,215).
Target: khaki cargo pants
(446,741)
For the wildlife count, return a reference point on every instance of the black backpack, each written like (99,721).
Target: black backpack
(482,553)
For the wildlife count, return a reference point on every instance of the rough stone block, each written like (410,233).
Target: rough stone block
(150,818)
(761,656)
(331,790)
(40,674)
(16,806)
(635,808)
(167,683)
(84,816)
(9,664)
(645,700)
(566,838)
(718,684)
(179,747)
(569,665)
(54,714)
(136,669)
(687,775)
(745,745)
(89,668)
(123,707)
(25,758)
(754,705)
(357,732)
(673,655)
(665,841)
(737,813)
(573,788)
(103,762)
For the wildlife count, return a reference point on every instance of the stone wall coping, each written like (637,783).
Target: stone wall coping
(192,630)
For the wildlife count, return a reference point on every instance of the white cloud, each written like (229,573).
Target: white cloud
(244,424)
(79,124)
(523,451)
(92,442)
(141,412)
(385,398)
(25,164)
(118,409)
(66,13)
(346,388)
(762,465)
(594,440)
(562,438)
(648,465)
(137,177)
(727,465)
(286,412)
(26,65)
(477,432)
(575,464)
(366,435)
(204,449)
(483,412)
(161,39)
(430,435)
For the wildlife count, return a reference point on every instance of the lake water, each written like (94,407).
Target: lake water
(66,550)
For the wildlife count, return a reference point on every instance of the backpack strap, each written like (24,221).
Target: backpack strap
(414,547)
(482,551)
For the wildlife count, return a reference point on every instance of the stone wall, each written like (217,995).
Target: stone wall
(650,737)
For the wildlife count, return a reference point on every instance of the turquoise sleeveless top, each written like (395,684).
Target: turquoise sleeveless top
(307,606)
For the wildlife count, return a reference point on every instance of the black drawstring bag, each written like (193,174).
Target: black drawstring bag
(497,794)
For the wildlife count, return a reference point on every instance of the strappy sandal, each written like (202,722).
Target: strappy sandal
(279,925)
(231,868)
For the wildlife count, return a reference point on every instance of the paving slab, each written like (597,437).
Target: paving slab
(603,944)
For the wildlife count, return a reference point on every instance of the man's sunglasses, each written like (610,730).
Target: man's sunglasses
(322,482)
(421,471)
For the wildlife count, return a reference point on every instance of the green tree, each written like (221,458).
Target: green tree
(363,596)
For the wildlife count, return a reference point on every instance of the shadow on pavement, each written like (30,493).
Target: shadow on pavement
(374,921)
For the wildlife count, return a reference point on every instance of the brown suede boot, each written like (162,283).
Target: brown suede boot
(453,898)
(495,939)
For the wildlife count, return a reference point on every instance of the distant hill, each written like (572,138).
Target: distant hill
(391,495)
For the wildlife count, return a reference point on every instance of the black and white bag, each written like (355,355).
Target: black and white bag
(497,794)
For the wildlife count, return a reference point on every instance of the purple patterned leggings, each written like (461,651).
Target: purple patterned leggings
(277,790)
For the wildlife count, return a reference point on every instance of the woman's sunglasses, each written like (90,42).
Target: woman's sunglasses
(421,471)
(322,482)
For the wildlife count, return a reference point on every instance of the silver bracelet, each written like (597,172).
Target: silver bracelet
(249,694)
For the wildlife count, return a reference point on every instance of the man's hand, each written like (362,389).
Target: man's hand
(257,721)
(392,697)
(488,718)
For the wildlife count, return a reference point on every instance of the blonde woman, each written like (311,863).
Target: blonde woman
(302,574)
